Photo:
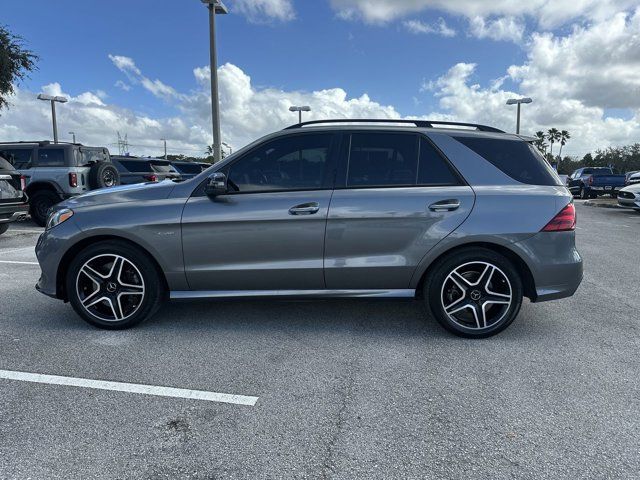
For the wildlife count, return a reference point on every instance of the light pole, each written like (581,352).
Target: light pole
(53,101)
(74,136)
(518,101)
(300,110)
(165,147)
(215,7)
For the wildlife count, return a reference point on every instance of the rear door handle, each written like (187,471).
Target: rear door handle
(445,205)
(305,209)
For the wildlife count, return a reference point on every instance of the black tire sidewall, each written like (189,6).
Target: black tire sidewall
(3,228)
(96,175)
(153,285)
(433,287)
(47,197)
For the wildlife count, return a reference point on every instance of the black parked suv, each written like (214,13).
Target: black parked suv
(141,170)
(190,169)
(55,172)
(13,200)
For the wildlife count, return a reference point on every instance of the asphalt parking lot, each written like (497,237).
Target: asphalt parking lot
(345,389)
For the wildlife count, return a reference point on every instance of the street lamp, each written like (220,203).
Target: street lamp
(300,110)
(518,101)
(53,101)
(215,7)
(165,147)
(74,136)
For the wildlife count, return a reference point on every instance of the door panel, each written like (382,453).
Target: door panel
(376,237)
(253,241)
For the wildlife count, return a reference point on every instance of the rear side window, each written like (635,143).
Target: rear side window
(50,157)
(515,158)
(382,159)
(432,168)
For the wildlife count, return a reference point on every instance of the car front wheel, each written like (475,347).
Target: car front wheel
(474,293)
(113,285)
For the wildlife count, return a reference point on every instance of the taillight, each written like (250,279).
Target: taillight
(73,180)
(152,178)
(23,183)
(563,221)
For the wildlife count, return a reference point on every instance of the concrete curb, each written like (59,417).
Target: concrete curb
(601,204)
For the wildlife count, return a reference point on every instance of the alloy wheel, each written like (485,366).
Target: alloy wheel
(108,178)
(110,287)
(476,295)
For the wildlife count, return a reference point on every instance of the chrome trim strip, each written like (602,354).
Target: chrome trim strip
(393,293)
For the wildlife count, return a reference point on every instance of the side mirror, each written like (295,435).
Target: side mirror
(216,184)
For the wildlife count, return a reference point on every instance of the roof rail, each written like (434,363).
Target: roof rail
(37,142)
(417,123)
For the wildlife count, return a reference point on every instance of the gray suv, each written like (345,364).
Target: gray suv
(55,172)
(465,217)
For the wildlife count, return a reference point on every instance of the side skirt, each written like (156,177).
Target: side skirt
(395,293)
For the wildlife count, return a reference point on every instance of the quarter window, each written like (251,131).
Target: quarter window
(297,162)
(433,169)
(382,159)
(19,157)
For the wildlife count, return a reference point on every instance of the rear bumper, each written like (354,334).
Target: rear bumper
(12,212)
(554,262)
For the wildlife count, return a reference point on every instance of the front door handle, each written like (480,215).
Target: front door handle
(445,205)
(305,209)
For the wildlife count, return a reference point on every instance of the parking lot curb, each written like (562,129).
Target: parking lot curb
(589,203)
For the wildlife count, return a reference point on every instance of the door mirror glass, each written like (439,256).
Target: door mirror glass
(216,184)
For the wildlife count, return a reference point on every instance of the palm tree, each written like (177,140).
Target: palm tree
(540,141)
(209,151)
(553,135)
(564,137)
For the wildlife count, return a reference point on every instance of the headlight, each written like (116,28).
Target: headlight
(59,216)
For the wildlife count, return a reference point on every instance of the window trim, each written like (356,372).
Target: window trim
(343,169)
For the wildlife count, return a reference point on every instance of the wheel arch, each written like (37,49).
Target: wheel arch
(85,242)
(43,185)
(528,283)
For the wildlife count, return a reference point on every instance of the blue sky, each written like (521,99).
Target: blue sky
(421,58)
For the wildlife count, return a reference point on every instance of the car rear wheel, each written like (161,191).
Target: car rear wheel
(474,293)
(113,285)
(583,193)
(39,205)
(3,228)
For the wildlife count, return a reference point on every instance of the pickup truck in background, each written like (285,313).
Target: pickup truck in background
(590,182)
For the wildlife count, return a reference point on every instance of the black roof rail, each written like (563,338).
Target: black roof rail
(417,123)
(37,142)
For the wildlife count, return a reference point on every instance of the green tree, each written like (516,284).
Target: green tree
(540,143)
(15,63)
(553,135)
(564,137)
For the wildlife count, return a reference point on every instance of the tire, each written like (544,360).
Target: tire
(103,175)
(40,203)
(488,278)
(583,193)
(120,274)
(3,228)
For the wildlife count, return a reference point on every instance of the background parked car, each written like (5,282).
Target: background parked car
(633,178)
(590,182)
(630,197)
(13,201)
(190,169)
(55,172)
(141,170)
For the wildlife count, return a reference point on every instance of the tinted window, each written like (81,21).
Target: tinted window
(162,167)
(135,166)
(382,159)
(290,163)
(50,157)
(432,168)
(20,157)
(190,168)
(87,155)
(516,158)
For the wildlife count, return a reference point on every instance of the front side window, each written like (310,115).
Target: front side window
(382,159)
(297,162)
(50,157)
(19,157)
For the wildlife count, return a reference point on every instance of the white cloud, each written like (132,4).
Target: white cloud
(503,28)
(547,13)
(122,85)
(439,28)
(133,73)
(264,11)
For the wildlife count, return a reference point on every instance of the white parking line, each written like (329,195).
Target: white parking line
(11,230)
(18,263)
(13,250)
(129,387)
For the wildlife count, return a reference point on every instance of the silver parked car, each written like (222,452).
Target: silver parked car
(630,197)
(469,220)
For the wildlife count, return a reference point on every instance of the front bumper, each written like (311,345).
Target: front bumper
(554,262)
(629,202)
